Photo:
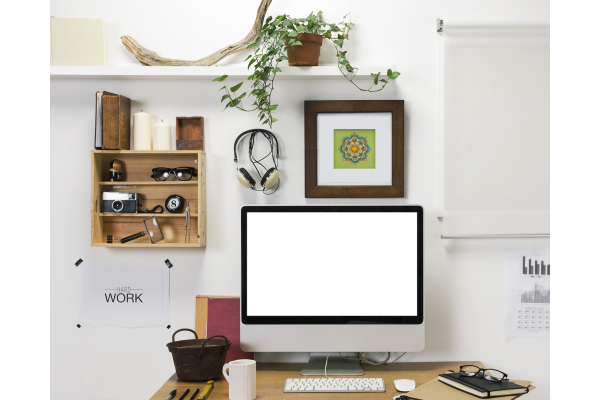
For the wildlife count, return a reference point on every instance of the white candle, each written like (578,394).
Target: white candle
(161,136)
(142,131)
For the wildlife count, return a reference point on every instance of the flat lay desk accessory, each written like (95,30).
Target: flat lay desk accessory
(437,390)
(483,382)
(271,377)
(334,385)
(241,375)
(199,359)
(404,385)
(172,394)
(207,390)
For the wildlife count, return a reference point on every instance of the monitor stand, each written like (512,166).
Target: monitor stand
(336,366)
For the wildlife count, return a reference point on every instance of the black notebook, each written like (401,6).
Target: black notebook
(480,387)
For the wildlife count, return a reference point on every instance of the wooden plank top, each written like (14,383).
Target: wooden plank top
(270,378)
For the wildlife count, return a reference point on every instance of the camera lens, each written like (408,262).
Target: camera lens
(117,205)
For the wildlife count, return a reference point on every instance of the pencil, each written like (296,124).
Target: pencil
(195,394)
(184,394)
(172,394)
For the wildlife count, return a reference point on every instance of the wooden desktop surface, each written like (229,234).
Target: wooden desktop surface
(270,378)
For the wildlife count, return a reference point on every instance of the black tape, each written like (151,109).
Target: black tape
(79,326)
(78,262)
(168,263)
(168,326)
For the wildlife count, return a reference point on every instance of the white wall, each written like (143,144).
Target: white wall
(463,280)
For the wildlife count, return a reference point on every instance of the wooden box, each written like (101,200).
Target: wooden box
(190,133)
(137,177)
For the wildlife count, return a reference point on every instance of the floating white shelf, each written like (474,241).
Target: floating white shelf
(206,73)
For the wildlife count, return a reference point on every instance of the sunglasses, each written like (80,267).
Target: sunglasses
(182,173)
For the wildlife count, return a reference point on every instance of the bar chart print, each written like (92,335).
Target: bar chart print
(539,294)
(535,267)
(526,292)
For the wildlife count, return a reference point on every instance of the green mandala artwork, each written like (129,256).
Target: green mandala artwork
(354,148)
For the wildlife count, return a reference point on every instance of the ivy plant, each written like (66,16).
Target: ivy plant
(277,36)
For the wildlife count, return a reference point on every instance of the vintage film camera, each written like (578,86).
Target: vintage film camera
(120,202)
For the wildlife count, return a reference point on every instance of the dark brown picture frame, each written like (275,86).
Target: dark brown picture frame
(312,108)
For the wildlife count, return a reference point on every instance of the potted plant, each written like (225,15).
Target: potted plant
(286,34)
(309,34)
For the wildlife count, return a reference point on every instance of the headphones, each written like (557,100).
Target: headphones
(268,180)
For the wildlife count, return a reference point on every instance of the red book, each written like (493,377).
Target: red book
(220,315)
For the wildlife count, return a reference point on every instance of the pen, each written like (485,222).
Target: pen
(184,394)
(195,394)
(172,394)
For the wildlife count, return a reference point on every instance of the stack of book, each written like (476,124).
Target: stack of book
(452,386)
(482,388)
(112,121)
(220,315)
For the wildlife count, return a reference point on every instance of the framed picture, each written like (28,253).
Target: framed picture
(354,148)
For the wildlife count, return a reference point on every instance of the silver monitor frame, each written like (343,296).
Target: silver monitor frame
(296,334)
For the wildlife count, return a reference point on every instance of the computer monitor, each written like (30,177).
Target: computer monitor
(330,279)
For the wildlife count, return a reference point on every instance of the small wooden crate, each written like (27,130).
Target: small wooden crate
(190,133)
(137,171)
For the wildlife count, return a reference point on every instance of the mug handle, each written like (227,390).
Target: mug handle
(225,368)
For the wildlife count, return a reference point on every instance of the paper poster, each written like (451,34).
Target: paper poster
(526,292)
(123,296)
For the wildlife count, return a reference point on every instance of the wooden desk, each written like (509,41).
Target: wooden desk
(271,377)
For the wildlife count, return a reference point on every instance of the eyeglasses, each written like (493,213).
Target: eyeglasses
(182,173)
(492,375)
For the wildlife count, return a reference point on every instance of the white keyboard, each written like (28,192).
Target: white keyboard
(321,385)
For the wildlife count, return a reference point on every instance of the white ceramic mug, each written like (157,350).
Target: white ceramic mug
(241,378)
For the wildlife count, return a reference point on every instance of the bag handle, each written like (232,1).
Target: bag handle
(207,339)
(225,374)
(184,329)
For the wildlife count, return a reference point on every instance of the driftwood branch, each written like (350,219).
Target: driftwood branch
(148,57)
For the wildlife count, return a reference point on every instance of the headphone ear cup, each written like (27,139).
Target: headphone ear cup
(245,178)
(270,178)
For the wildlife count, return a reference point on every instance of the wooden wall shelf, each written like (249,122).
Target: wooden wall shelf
(144,215)
(137,171)
(204,73)
(141,183)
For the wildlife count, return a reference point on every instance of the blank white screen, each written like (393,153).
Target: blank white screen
(331,264)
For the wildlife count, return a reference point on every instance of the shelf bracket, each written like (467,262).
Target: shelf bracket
(440,25)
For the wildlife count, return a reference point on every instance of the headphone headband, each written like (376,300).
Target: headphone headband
(254,132)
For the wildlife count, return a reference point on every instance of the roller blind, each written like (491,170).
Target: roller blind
(494,139)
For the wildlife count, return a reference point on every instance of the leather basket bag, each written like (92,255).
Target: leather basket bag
(199,359)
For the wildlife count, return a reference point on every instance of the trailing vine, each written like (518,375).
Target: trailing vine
(277,36)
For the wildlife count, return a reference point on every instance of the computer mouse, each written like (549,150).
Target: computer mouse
(404,385)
